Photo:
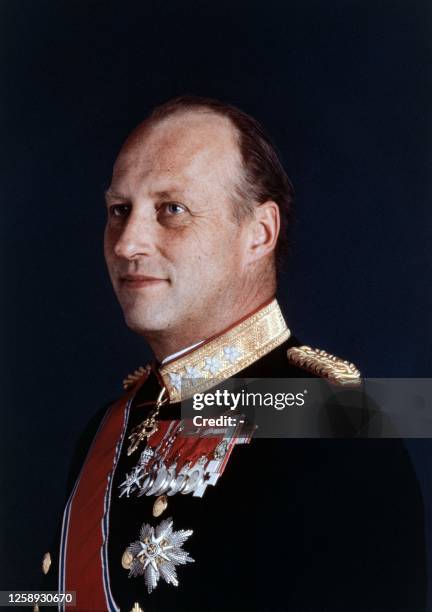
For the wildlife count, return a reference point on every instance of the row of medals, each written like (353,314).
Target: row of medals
(152,476)
(159,479)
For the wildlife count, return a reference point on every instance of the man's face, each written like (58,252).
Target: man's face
(173,249)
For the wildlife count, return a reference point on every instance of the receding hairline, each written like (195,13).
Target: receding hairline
(152,121)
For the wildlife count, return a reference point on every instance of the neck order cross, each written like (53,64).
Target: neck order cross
(147,428)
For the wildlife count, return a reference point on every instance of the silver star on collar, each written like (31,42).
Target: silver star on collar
(157,553)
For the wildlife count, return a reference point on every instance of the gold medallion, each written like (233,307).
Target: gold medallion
(160,505)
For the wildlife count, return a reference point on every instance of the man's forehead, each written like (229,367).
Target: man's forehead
(180,144)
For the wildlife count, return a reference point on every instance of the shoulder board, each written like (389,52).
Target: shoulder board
(320,363)
(132,379)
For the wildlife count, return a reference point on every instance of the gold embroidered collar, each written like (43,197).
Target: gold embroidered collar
(226,354)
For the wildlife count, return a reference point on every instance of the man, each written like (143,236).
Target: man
(198,209)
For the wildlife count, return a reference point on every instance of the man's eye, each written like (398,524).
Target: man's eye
(119,210)
(172,208)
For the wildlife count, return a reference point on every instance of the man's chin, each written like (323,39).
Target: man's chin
(147,324)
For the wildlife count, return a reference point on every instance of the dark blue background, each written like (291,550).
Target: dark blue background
(344,88)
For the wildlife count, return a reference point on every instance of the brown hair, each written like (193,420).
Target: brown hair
(264,177)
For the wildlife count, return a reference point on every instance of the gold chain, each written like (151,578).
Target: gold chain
(147,427)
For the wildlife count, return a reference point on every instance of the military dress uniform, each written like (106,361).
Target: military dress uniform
(158,521)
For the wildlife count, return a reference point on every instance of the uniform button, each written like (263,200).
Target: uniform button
(46,563)
(127,559)
(160,505)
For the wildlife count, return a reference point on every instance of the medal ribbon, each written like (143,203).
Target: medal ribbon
(186,448)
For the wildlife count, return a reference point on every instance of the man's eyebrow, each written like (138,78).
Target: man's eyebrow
(110,193)
(166,193)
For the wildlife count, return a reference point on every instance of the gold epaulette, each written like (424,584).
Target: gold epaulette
(320,363)
(132,379)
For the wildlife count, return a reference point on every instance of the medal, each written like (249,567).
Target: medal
(157,553)
(148,427)
(132,481)
(185,464)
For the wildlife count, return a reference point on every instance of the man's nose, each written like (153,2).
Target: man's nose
(137,238)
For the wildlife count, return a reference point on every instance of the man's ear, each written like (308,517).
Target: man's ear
(264,230)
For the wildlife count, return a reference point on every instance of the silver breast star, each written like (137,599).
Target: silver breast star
(157,553)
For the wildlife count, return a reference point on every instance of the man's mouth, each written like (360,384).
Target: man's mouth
(137,281)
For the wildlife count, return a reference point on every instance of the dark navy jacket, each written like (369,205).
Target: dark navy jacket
(295,525)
